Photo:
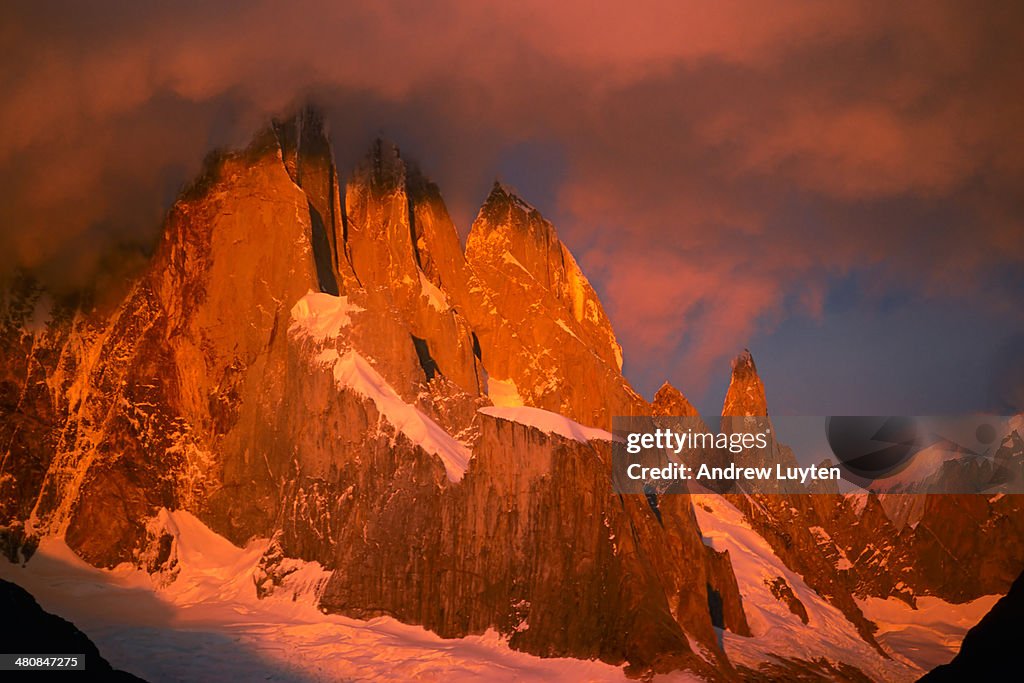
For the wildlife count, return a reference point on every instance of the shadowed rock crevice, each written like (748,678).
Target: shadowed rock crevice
(427,361)
(323,255)
(715,607)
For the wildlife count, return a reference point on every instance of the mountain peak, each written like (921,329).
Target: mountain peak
(306,153)
(744,362)
(382,167)
(746,391)
(670,401)
(307,118)
(503,196)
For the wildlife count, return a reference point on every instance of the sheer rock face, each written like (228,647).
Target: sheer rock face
(403,241)
(724,594)
(508,224)
(537,318)
(307,157)
(167,402)
(531,543)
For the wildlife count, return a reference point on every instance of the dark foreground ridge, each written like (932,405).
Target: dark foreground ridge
(991,649)
(36,631)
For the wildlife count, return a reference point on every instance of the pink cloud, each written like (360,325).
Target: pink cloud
(729,158)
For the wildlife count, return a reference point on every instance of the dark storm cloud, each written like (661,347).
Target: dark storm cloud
(733,158)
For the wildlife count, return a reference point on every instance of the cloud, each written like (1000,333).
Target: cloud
(732,158)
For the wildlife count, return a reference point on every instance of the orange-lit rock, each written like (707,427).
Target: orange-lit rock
(537,318)
(304,359)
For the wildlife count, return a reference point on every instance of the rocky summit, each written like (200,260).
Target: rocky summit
(312,357)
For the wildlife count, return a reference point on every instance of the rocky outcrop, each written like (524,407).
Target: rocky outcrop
(959,547)
(896,546)
(724,600)
(171,399)
(783,593)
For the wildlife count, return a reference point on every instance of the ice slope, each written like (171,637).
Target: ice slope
(354,372)
(777,631)
(929,635)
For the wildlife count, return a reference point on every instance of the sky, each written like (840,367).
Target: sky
(834,185)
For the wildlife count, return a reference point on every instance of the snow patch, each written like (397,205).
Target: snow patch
(548,422)
(322,316)
(503,392)
(436,298)
(822,538)
(561,323)
(352,371)
(511,260)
